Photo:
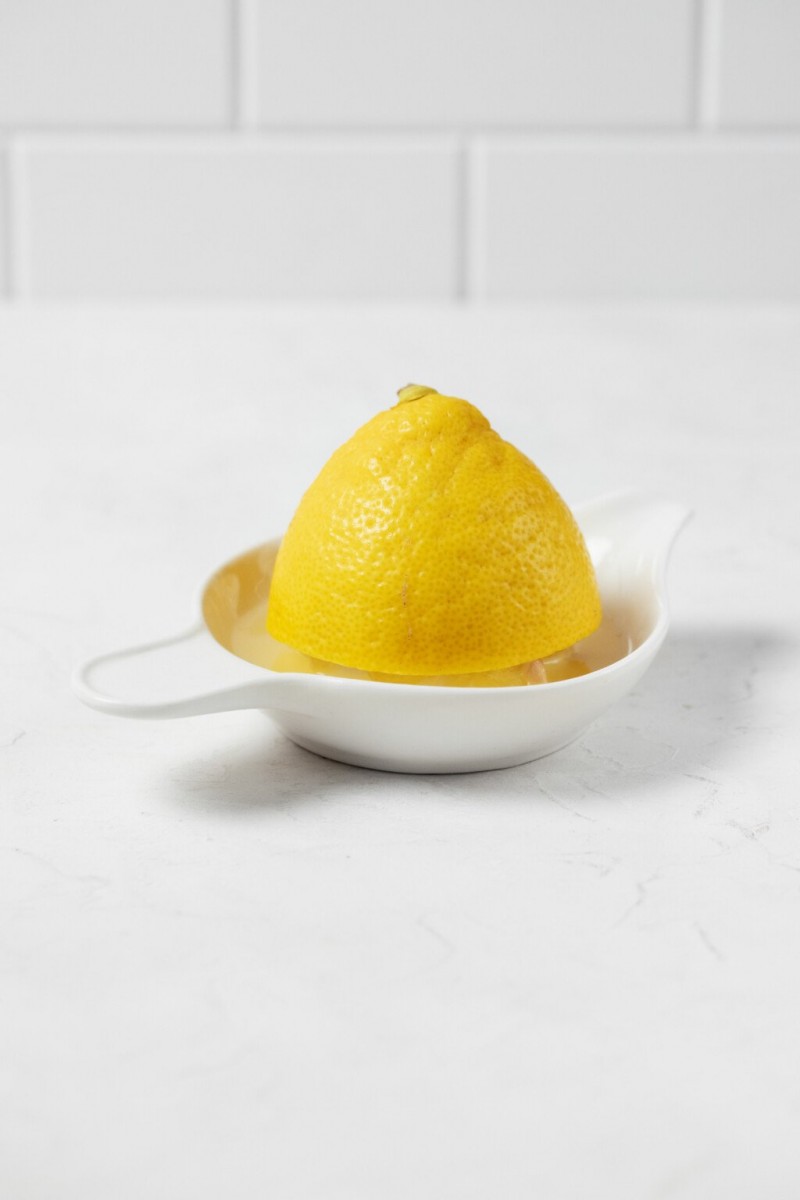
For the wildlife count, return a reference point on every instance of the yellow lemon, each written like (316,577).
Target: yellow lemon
(429,546)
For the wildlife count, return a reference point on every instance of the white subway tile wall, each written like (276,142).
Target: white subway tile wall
(454,63)
(110,63)
(438,149)
(760,63)
(340,218)
(639,219)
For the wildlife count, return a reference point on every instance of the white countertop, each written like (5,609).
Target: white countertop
(230,968)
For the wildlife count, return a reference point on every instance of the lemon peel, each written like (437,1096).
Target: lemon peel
(428,546)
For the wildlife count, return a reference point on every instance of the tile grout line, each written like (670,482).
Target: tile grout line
(707,63)
(17,227)
(245,64)
(474,222)
(233,65)
(461,221)
(137,137)
(693,98)
(6,252)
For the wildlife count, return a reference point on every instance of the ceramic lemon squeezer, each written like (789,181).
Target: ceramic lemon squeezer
(439,608)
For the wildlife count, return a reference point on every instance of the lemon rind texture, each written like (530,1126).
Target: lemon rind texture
(427,545)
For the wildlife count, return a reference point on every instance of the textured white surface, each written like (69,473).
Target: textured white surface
(457,63)
(759,63)
(273,218)
(231,968)
(115,62)
(680,218)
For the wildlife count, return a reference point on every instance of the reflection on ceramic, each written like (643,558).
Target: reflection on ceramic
(224,662)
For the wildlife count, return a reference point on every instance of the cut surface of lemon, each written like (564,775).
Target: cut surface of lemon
(429,546)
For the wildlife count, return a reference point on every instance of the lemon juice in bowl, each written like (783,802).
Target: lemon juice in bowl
(248,640)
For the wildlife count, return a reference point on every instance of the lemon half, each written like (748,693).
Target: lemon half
(427,545)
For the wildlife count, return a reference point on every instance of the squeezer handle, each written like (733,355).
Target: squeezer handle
(171,678)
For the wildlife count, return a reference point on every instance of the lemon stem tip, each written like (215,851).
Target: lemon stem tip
(414,391)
